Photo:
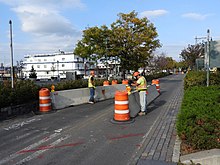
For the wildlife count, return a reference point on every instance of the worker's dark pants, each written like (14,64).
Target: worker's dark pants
(92,94)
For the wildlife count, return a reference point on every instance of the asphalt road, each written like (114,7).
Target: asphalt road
(81,135)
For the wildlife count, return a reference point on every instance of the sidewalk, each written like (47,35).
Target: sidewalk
(158,145)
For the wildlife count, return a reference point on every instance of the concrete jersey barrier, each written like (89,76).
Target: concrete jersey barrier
(67,98)
(134,99)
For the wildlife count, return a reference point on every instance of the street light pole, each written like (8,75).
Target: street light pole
(207,57)
(58,74)
(106,58)
(12,69)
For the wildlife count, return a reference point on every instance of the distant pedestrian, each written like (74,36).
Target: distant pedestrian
(91,85)
(141,86)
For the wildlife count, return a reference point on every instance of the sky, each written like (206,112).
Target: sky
(47,26)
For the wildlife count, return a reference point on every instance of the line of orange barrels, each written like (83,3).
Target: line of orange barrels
(122,112)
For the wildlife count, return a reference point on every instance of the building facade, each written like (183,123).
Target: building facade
(56,66)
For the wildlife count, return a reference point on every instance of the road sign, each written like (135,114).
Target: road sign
(214,54)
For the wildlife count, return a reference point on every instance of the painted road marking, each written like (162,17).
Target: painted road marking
(21,124)
(126,136)
(14,155)
(26,134)
(39,152)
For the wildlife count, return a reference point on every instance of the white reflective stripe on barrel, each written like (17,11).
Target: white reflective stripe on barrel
(121,102)
(157,85)
(45,105)
(44,97)
(121,111)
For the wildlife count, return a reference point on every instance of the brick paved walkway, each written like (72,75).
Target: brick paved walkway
(159,143)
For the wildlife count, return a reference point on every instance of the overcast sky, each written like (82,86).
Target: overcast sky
(47,26)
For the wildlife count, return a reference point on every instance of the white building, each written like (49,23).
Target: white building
(49,66)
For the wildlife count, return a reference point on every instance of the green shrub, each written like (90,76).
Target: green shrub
(198,123)
(215,78)
(195,78)
(23,92)
(199,78)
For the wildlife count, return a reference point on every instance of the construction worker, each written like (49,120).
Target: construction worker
(141,86)
(91,85)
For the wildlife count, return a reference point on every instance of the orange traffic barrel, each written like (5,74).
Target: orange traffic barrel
(157,83)
(114,82)
(44,100)
(125,82)
(106,83)
(121,106)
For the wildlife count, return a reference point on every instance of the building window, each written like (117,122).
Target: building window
(63,59)
(38,66)
(45,59)
(45,66)
(39,60)
(77,59)
(63,65)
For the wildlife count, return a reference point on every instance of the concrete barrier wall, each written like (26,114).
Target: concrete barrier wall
(134,100)
(152,94)
(66,98)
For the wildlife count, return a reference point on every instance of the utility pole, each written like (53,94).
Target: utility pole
(207,57)
(58,74)
(106,58)
(12,68)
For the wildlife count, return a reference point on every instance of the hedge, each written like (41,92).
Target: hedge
(23,92)
(198,122)
(198,78)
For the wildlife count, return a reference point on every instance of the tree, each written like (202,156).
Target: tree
(33,73)
(190,54)
(182,64)
(134,39)
(130,39)
(93,42)
(171,63)
(161,62)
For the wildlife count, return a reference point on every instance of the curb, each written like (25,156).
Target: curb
(208,157)
(176,150)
